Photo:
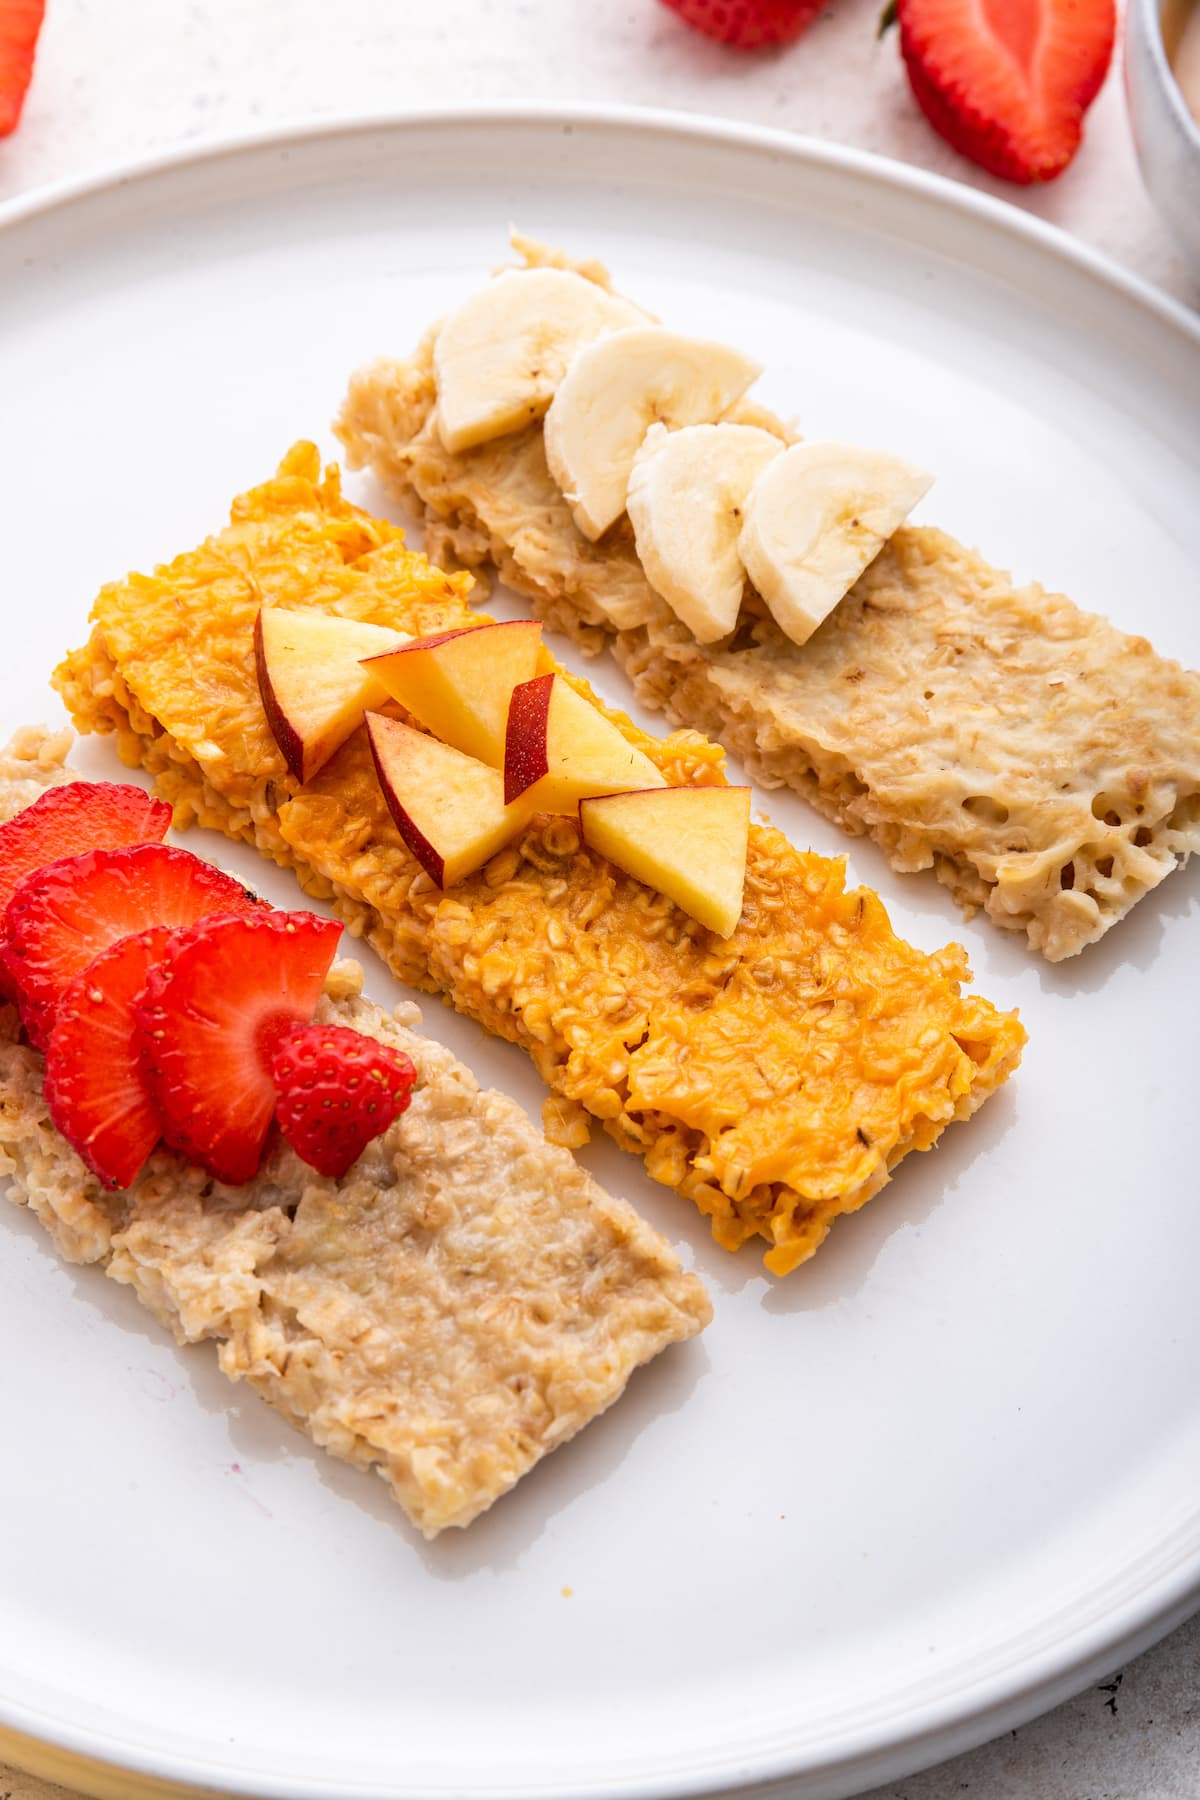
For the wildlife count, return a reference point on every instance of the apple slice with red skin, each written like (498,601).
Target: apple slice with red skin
(314,685)
(449,808)
(560,747)
(458,683)
(688,842)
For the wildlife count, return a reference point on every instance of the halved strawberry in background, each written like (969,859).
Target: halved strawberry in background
(95,1086)
(20,24)
(63,915)
(209,1018)
(748,24)
(1007,82)
(66,821)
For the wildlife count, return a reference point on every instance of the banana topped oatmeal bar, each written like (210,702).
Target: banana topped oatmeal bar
(457,1306)
(776,1077)
(1044,764)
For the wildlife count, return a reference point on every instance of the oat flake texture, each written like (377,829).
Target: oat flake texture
(775,1078)
(1044,764)
(463,1301)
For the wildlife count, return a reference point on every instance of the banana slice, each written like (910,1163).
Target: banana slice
(499,358)
(612,393)
(686,496)
(813,521)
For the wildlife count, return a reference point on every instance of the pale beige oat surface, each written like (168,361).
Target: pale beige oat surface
(458,1305)
(1045,765)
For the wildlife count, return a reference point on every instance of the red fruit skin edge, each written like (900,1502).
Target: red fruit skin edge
(42,821)
(1091,87)
(290,746)
(985,142)
(756,24)
(228,1161)
(525,756)
(20,54)
(244,1163)
(8,981)
(37,1000)
(315,1136)
(429,859)
(420,643)
(132,1146)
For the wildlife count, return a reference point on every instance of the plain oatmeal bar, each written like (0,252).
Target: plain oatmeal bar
(460,1304)
(1044,764)
(775,1078)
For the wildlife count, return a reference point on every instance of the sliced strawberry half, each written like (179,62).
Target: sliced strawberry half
(66,821)
(1007,82)
(95,1085)
(209,1018)
(20,24)
(62,916)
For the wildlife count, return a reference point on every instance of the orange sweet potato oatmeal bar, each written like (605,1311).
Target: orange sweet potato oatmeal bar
(775,1078)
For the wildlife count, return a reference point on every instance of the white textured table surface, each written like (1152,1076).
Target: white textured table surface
(120,77)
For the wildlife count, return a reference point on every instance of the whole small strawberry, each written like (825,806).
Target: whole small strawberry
(20,24)
(1007,84)
(748,24)
(338,1089)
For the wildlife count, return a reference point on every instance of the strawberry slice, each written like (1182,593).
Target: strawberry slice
(20,24)
(338,1089)
(1007,82)
(62,916)
(65,821)
(209,1017)
(95,1086)
(748,24)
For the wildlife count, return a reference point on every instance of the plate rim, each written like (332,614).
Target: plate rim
(869,165)
(1026,1688)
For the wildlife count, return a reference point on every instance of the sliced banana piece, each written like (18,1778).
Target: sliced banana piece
(499,358)
(813,521)
(613,391)
(686,498)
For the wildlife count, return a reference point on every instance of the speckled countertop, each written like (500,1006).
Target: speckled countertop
(121,77)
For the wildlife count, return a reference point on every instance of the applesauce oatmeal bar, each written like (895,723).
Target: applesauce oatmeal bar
(457,1306)
(775,1077)
(1045,765)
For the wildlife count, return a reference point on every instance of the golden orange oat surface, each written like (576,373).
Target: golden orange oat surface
(776,1077)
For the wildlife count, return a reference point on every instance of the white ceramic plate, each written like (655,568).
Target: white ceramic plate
(919,1490)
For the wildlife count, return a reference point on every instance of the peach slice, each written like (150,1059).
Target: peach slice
(688,842)
(312,680)
(458,683)
(560,747)
(449,808)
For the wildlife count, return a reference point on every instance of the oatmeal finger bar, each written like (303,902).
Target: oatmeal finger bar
(457,1306)
(1044,764)
(775,1077)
